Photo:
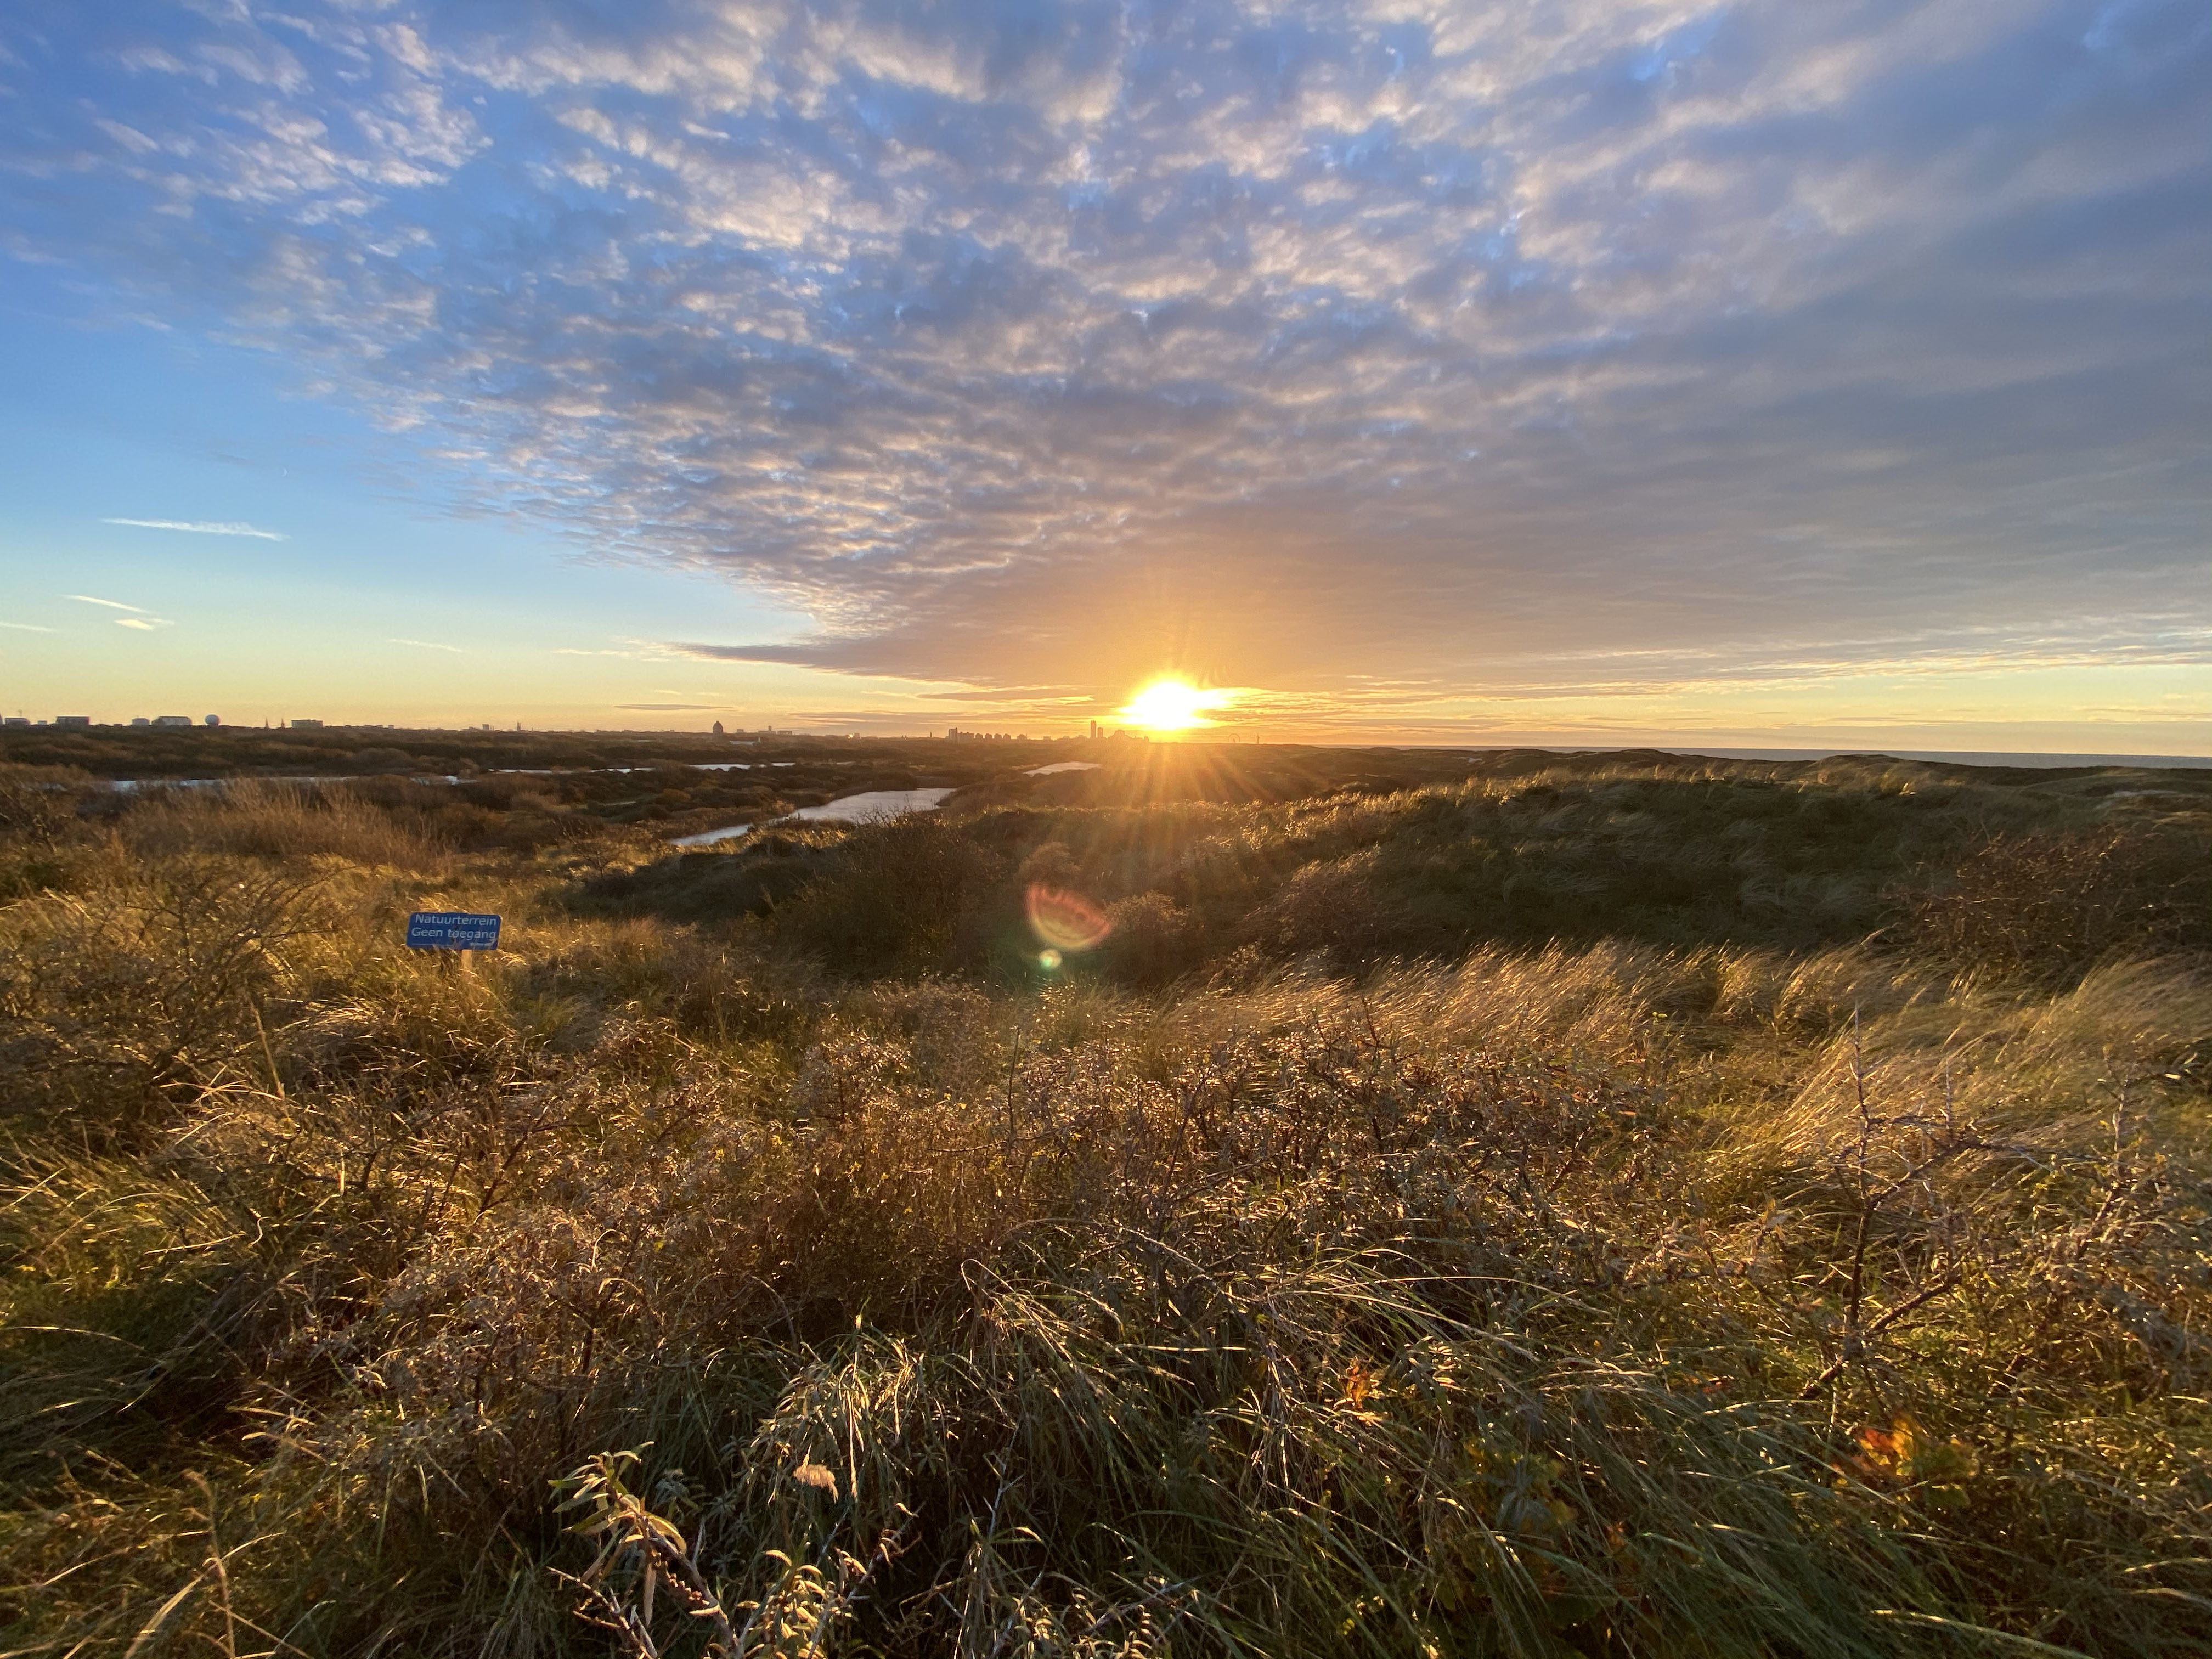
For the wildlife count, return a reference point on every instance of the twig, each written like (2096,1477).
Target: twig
(1837,1369)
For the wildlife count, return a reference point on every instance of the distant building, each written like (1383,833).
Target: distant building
(15,719)
(173,719)
(306,726)
(140,720)
(718,728)
(211,720)
(72,720)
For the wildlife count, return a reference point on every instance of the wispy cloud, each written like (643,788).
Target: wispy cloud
(637,650)
(1042,695)
(429,645)
(140,619)
(667,708)
(202,528)
(28,627)
(807,654)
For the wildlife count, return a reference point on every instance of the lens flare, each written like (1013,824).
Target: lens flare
(1065,923)
(1172,705)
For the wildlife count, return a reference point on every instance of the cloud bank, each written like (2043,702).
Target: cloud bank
(1048,344)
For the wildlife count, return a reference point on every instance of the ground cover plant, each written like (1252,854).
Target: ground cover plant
(1601,1205)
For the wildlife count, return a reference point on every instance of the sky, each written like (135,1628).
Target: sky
(1583,371)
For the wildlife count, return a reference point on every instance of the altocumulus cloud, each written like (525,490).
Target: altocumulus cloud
(1592,342)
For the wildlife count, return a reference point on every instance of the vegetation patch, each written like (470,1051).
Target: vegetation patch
(1571,1206)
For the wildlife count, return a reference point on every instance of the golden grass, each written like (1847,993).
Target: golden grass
(274,818)
(1604,1299)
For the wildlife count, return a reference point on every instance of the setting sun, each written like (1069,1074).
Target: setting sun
(1172,705)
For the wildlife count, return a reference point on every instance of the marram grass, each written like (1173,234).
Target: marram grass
(682,1286)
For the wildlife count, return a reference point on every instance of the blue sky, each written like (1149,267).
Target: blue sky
(1834,375)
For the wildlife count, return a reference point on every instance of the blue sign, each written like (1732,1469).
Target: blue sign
(452,930)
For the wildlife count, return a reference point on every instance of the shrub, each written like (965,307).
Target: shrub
(2057,900)
(144,991)
(43,838)
(900,898)
(1154,942)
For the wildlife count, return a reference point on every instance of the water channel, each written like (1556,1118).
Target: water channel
(869,807)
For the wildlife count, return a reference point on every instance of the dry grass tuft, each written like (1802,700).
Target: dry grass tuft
(275,819)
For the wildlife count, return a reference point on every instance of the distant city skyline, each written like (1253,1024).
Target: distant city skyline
(1743,376)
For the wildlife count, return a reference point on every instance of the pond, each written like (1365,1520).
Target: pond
(866,807)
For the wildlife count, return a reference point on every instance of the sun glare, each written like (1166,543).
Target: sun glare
(1172,705)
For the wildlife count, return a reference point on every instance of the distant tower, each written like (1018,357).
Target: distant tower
(718,728)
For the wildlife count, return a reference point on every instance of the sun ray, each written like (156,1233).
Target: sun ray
(1169,704)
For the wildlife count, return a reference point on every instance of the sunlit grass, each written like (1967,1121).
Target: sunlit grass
(1284,1274)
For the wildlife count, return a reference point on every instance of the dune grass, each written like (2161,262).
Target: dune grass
(1364,1251)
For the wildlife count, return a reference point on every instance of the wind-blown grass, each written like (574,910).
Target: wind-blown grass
(1602,1295)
